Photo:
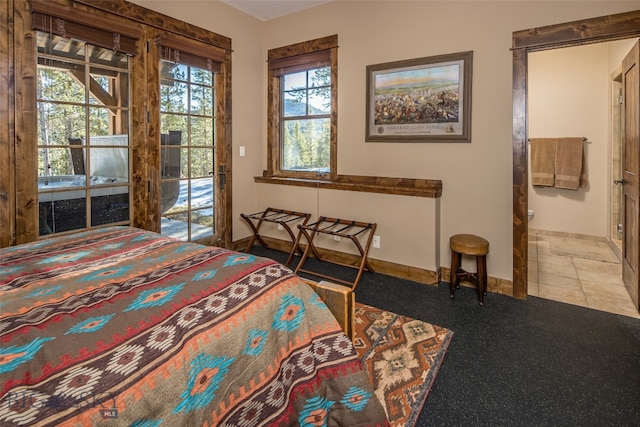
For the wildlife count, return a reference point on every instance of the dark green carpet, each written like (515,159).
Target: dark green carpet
(512,362)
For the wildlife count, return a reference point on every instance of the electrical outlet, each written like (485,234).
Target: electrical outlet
(336,238)
(376,242)
(280,227)
(242,151)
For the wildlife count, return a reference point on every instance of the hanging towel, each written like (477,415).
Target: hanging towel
(584,181)
(569,163)
(543,153)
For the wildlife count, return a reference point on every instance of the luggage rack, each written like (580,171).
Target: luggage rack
(342,228)
(281,217)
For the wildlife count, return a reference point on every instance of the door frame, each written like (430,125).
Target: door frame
(595,30)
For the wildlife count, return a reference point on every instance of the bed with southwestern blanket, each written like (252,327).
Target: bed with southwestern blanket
(123,327)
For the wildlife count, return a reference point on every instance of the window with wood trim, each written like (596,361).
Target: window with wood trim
(302,134)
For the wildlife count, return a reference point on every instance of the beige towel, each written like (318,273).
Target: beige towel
(584,181)
(543,153)
(569,163)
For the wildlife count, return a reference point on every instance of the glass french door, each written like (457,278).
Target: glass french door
(187,152)
(83,135)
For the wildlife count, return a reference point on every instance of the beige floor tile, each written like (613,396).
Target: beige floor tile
(612,305)
(558,267)
(558,281)
(543,248)
(580,271)
(532,274)
(595,271)
(585,250)
(600,289)
(560,261)
(570,296)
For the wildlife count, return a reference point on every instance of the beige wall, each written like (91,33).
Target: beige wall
(477,177)
(568,96)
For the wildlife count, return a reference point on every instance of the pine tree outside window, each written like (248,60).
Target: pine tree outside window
(306,120)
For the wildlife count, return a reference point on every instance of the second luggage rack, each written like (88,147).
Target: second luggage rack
(343,228)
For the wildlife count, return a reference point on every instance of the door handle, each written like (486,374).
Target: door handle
(619,181)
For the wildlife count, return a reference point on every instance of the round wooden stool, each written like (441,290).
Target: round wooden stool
(469,244)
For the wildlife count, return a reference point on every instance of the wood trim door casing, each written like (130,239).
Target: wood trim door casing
(7,133)
(587,31)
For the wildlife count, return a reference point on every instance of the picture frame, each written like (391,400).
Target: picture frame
(420,100)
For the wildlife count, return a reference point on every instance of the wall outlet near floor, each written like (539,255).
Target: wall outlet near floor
(376,242)
(336,238)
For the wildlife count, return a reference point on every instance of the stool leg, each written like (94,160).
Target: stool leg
(481,263)
(455,264)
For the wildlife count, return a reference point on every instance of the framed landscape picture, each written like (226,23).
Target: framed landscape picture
(420,100)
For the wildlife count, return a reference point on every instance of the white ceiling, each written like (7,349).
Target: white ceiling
(269,9)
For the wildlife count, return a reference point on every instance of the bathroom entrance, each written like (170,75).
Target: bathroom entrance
(573,255)
(525,42)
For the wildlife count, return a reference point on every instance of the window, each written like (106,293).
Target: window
(306,120)
(83,135)
(302,109)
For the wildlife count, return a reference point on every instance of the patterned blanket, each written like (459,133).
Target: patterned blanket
(119,326)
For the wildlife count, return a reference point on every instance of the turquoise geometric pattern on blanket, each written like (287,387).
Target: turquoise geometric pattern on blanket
(131,328)
(90,325)
(204,379)
(111,246)
(12,356)
(182,248)
(205,275)
(141,238)
(146,423)
(290,313)
(256,342)
(67,257)
(315,300)
(239,259)
(106,273)
(315,412)
(155,297)
(355,398)
(5,271)
(44,292)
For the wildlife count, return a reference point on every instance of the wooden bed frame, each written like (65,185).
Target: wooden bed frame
(340,300)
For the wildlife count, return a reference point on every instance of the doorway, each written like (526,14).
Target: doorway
(613,27)
(571,256)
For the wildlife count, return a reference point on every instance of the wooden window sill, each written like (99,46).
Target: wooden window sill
(370,184)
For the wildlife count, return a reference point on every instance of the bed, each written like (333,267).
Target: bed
(120,326)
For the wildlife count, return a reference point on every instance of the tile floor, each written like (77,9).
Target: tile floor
(578,270)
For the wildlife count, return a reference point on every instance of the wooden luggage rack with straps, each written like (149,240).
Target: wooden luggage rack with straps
(281,217)
(342,228)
